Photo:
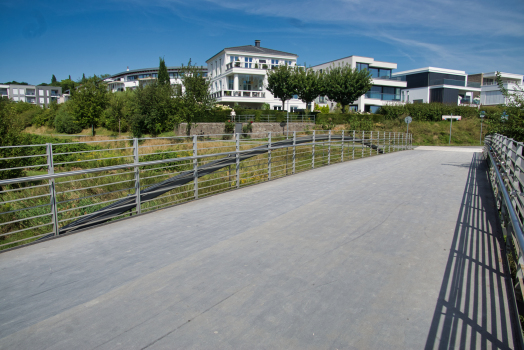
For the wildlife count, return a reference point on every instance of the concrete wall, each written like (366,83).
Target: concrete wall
(218,128)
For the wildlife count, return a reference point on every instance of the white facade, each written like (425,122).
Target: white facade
(431,84)
(132,79)
(490,93)
(385,89)
(37,95)
(239,76)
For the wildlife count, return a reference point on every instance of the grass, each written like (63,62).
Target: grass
(25,211)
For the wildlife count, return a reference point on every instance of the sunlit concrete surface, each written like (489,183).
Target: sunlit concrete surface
(399,251)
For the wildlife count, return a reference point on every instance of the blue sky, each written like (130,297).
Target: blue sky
(41,38)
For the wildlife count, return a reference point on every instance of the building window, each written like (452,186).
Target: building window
(277,108)
(250,82)
(274,63)
(322,99)
(231,83)
(173,75)
(289,63)
(220,66)
(233,58)
(320,71)
(361,66)
(248,61)
(293,109)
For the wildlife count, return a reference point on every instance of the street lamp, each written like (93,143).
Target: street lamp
(482,115)
(504,117)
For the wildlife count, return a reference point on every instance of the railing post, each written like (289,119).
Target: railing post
(294,149)
(52,190)
(354,132)
(137,176)
(370,143)
(342,148)
(389,142)
(362,142)
(269,157)
(378,140)
(313,152)
(329,147)
(195,166)
(237,135)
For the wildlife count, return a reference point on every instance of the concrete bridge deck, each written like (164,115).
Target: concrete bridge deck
(400,251)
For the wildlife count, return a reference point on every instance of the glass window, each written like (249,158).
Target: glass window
(231,83)
(248,61)
(274,63)
(155,75)
(361,66)
(250,82)
(374,72)
(384,73)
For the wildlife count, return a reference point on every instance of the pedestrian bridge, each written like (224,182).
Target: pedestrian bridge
(400,251)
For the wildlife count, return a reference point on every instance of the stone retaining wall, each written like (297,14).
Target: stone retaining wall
(218,128)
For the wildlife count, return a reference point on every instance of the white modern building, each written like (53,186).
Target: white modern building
(385,90)
(239,76)
(490,93)
(132,79)
(432,84)
(38,95)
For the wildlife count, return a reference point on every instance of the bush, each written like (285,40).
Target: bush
(229,127)
(66,123)
(429,111)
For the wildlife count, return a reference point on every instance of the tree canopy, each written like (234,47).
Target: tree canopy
(281,83)
(89,101)
(345,85)
(163,75)
(309,84)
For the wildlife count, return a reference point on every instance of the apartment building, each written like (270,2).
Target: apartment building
(239,76)
(385,90)
(38,95)
(432,84)
(490,93)
(132,79)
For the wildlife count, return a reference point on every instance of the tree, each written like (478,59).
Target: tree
(53,80)
(89,101)
(69,76)
(308,84)
(114,115)
(281,83)
(515,97)
(196,100)
(163,75)
(83,78)
(345,85)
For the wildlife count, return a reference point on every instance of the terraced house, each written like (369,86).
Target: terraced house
(239,76)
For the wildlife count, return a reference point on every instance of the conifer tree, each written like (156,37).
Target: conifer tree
(53,79)
(163,75)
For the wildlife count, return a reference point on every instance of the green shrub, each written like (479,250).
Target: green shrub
(66,123)
(229,127)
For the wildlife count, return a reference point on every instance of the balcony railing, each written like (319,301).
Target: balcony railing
(258,66)
(447,82)
(55,94)
(473,84)
(255,94)
(383,96)
(30,93)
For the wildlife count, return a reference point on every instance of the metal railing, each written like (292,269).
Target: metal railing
(506,171)
(76,185)
(273,119)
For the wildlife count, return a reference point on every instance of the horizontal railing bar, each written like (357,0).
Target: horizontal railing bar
(90,205)
(25,229)
(93,177)
(92,160)
(89,187)
(17,210)
(26,198)
(20,157)
(26,239)
(24,188)
(24,219)
(23,146)
(100,141)
(25,167)
(94,195)
(95,150)
(98,211)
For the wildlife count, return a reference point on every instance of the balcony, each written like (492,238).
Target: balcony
(231,93)
(383,96)
(54,93)
(447,82)
(30,92)
(473,84)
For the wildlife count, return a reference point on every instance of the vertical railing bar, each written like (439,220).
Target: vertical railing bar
(294,148)
(329,147)
(342,148)
(354,134)
(313,152)
(137,176)
(370,143)
(195,166)
(52,189)
(237,135)
(362,142)
(269,157)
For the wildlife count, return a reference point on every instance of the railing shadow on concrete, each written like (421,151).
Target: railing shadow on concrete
(470,311)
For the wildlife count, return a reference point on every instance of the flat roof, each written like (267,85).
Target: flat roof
(343,58)
(254,50)
(431,70)
(144,70)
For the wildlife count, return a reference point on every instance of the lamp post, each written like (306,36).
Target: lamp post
(504,117)
(482,115)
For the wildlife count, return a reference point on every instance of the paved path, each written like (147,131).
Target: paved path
(399,251)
